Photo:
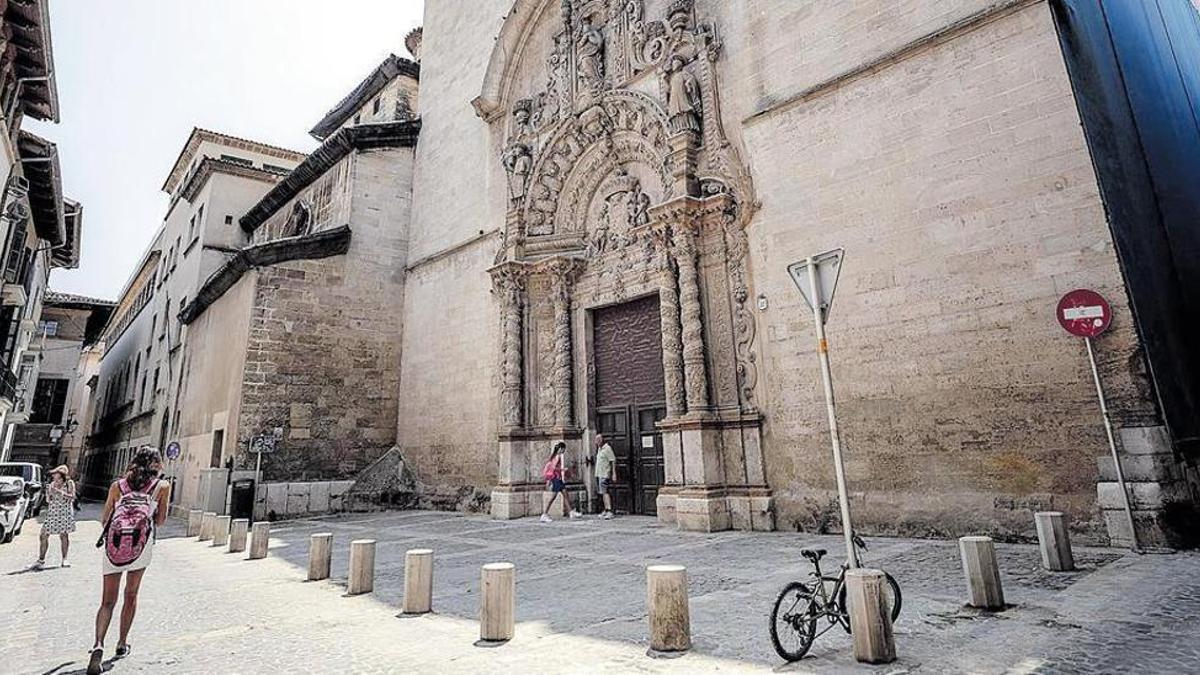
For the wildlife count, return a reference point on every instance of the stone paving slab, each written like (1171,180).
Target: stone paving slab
(581,604)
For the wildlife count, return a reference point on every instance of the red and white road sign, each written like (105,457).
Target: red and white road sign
(1084,313)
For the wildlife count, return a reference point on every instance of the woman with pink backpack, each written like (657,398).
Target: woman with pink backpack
(554,472)
(136,507)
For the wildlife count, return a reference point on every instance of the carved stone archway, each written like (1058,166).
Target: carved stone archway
(623,184)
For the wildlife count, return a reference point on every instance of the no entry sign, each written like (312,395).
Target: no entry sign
(1084,313)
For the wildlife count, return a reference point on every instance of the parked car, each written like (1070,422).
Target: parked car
(13,507)
(32,475)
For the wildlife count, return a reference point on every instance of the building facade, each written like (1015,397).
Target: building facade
(67,358)
(215,179)
(634,179)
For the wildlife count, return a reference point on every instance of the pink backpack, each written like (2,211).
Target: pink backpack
(131,525)
(550,470)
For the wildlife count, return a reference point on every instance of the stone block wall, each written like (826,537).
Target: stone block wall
(958,181)
(323,359)
(276,501)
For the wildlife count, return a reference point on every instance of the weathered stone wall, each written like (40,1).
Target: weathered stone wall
(323,357)
(447,420)
(943,151)
(958,181)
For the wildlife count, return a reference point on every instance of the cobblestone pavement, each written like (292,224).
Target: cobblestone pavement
(581,604)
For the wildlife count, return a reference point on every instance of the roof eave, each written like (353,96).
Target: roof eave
(391,68)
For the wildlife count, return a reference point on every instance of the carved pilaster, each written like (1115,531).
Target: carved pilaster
(692,337)
(509,282)
(672,349)
(563,274)
(682,160)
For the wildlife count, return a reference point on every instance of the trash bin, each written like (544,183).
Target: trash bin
(241,499)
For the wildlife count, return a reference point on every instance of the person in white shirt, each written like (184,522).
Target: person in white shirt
(606,474)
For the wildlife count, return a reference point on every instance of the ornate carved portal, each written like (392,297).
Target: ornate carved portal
(621,184)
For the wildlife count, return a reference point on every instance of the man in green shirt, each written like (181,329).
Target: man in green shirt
(606,474)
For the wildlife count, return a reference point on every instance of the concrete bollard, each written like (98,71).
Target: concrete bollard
(237,535)
(667,605)
(362,567)
(870,616)
(497,598)
(1054,541)
(207,524)
(982,572)
(260,537)
(320,551)
(195,517)
(418,581)
(221,531)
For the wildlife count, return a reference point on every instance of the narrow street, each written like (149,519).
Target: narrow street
(581,604)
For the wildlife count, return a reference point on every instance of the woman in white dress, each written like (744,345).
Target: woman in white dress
(137,492)
(60,515)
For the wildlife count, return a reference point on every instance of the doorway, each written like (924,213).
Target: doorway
(629,398)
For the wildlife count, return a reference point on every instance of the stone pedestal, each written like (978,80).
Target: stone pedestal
(982,572)
(320,551)
(195,517)
(221,531)
(362,567)
(497,599)
(418,581)
(1054,541)
(237,535)
(667,608)
(208,523)
(259,540)
(870,616)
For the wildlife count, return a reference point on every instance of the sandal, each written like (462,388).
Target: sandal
(122,651)
(96,662)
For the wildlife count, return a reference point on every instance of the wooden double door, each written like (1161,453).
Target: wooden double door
(637,443)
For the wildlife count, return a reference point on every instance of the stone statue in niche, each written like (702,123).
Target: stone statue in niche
(683,96)
(521,117)
(299,221)
(517,162)
(638,206)
(589,49)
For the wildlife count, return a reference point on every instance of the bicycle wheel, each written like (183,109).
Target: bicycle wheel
(892,590)
(793,622)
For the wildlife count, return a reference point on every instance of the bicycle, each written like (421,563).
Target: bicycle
(800,606)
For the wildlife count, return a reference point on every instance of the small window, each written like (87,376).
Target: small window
(375,106)
(228,220)
(356,119)
(48,328)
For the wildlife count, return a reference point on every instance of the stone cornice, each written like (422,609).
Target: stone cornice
(333,150)
(323,244)
(211,165)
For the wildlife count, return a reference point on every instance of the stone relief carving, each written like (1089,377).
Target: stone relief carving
(598,164)
(509,284)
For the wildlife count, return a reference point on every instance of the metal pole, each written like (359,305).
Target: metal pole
(258,470)
(1112,444)
(827,381)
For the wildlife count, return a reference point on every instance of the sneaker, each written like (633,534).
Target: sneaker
(36,565)
(96,662)
(65,563)
(607,515)
(122,651)
(575,514)
(546,518)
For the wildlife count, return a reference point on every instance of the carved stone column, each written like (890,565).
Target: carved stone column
(672,349)
(694,370)
(510,283)
(564,413)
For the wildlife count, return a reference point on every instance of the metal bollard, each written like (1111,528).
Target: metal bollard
(982,572)
(195,517)
(418,581)
(667,604)
(1054,541)
(320,551)
(221,531)
(870,616)
(362,567)
(237,535)
(260,537)
(497,597)
(207,524)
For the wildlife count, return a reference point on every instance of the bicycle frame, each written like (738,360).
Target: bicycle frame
(828,606)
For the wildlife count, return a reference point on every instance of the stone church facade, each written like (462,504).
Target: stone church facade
(599,243)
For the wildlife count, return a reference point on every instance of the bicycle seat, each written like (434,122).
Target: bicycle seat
(813,554)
